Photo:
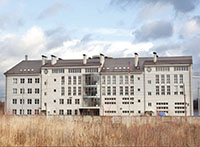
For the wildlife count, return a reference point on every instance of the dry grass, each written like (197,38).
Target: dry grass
(39,131)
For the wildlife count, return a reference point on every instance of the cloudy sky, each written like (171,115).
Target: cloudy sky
(116,28)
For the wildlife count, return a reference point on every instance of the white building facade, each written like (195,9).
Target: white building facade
(101,85)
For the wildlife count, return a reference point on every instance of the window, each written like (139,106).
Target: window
(181,79)
(181,68)
(126,79)
(149,93)
(113,79)
(138,78)
(121,90)
(168,90)
(14,101)
(120,79)
(77,101)
(149,81)
(29,101)
(79,80)
(168,79)
(149,104)
(175,90)
(69,90)
(29,91)
(54,80)
(175,79)
(37,80)
(74,90)
(79,90)
(22,80)
(162,90)
(69,112)
(69,101)
(54,90)
(109,90)
(58,70)
(74,80)
(21,101)
(126,90)
(14,80)
(37,90)
(162,79)
(113,90)
(69,80)
(14,90)
(54,101)
(36,101)
(181,90)
(75,112)
(62,91)
(91,70)
(157,79)
(132,79)
(74,70)
(162,68)
(21,111)
(22,90)
(103,91)
(103,80)
(61,101)
(139,111)
(36,111)
(132,90)
(29,111)
(108,80)
(138,89)
(61,112)
(62,80)
(29,80)
(157,90)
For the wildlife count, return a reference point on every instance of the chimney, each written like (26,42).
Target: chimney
(44,59)
(136,59)
(102,59)
(53,59)
(84,59)
(26,57)
(155,57)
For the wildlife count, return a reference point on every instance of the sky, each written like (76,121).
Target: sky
(116,28)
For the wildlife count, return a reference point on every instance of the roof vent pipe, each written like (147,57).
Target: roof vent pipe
(155,57)
(26,57)
(44,59)
(136,59)
(84,59)
(53,59)
(102,59)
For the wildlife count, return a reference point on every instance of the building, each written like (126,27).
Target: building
(101,85)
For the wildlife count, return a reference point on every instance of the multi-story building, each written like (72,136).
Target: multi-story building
(101,85)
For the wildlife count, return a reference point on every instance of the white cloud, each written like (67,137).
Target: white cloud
(191,27)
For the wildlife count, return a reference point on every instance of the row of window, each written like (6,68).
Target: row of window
(70,91)
(124,111)
(28,101)
(166,90)
(69,101)
(123,79)
(178,68)
(22,80)
(167,78)
(122,90)
(74,70)
(22,112)
(23,91)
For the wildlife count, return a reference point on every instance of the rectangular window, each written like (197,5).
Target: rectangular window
(37,90)
(91,70)
(181,68)
(162,79)
(37,101)
(120,79)
(58,70)
(14,101)
(29,80)
(37,80)
(29,91)
(121,90)
(69,80)
(113,90)
(175,79)
(162,68)
(14,80)
(77,101)
(162,90)
(113,79)
(74,80)
(157,90)
(79,90)
(21,101)
(62,80)
(126,90)
(22,80)
(181,79)
(181,90)
(132,79)
(74,90)
(69,112)
(62,91)
(168,90)
(29,111)
(175,90)
(36,111)
(75,112)
(61,101)
(103,80)
(22,90)
(168,79)
(69,101)
(132,90)
(29,101)
(109,90)
(21,112)
(126,79)
(157,79)
(103,91)
(61,112)
(69,91)
(149,93)
(149,81)
(79,80)
(74,70)
(14,90)
(108,80)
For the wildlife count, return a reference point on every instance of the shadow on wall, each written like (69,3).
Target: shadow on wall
(1,108)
